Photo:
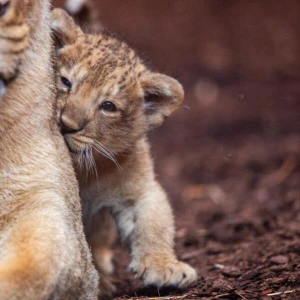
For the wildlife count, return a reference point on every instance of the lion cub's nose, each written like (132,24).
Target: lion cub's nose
(68,125)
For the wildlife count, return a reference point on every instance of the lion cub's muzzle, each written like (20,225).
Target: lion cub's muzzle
(69,125)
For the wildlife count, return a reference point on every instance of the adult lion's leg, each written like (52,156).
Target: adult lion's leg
(29,263)
(36,260)
(43,252)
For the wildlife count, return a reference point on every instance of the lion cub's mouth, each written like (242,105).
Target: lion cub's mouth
(76,145)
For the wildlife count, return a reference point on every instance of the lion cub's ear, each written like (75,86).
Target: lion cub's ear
(64,27)
(162,95)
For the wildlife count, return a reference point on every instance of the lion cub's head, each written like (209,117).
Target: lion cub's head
(106,94)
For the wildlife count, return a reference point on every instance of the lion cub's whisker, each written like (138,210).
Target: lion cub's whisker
(108,155)
(91,161)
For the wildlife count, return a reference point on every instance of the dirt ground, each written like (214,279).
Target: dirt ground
(229,159)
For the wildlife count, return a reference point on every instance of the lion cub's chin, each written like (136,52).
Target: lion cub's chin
(74,146)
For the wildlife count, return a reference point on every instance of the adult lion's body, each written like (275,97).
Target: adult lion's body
(43,252)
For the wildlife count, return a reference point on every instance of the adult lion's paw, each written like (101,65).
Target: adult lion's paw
(164,272)
(13,37)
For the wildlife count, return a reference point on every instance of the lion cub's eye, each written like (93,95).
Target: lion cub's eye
(66,82)
(108,106)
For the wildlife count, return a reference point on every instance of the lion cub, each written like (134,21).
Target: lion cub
(108,101)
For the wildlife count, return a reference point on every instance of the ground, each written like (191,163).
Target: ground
(229,158)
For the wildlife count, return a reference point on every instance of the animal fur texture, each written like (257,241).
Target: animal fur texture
(43,250)
(107,102)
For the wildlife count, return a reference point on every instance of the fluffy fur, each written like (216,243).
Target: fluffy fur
(108,100)
(43,251)
(14,40)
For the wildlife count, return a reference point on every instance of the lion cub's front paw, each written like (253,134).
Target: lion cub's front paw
(13,37)
(164,272)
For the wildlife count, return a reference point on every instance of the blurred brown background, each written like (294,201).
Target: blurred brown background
(223,38)
(229,158)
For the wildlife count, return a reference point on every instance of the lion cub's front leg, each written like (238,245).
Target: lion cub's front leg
(13,38)
(101,236)
(147,222)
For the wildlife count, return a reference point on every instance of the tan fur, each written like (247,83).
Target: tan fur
(14,40)
(101,68)
(43,251)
